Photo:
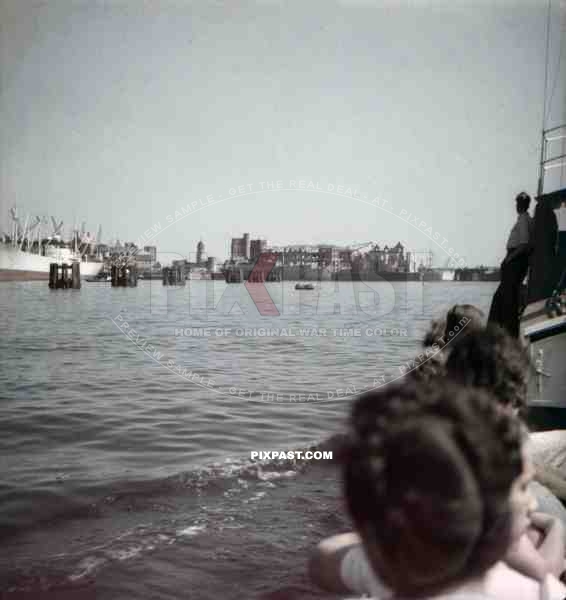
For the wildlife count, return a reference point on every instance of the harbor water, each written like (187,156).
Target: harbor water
(128,417)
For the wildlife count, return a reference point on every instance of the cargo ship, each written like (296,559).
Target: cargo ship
(25,255)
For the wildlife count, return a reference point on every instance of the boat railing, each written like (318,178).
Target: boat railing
(548,160)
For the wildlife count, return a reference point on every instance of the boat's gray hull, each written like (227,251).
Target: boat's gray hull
(546,343)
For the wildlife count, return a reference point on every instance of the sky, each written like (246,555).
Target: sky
(121,113)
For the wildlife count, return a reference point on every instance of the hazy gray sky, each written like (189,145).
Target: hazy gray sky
(122,112)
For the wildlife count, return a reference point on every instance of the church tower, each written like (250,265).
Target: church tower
(200,252)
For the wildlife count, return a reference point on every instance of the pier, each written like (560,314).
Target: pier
(174,275)
(124,276)
(65,276)
(477,274)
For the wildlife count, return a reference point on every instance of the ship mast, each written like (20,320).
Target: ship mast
(23,232)
(553,134)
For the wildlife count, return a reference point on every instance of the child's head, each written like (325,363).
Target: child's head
(428,473)
(489,358)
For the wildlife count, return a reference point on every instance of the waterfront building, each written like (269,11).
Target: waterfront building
(390,260)
(360,262)
(296,255)
(240,248)
(345,257)
(370,256)
(201,267)
(245,249)
(151,251)
(144,262)
(329,258)
(200,252)
(211,266)
(257,247)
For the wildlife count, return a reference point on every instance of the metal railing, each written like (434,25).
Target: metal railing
(550,162)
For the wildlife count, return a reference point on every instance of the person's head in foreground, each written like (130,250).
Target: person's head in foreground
(460,320)
(435,480)
(463,319)
(492,360)
(435,334)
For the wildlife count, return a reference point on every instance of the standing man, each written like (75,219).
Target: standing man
(505,304)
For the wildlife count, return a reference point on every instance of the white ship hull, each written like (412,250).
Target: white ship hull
(16,265)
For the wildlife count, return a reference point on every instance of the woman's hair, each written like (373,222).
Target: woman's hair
(429,365)
(460,319)
(493,360)
(427,475)
(435,335)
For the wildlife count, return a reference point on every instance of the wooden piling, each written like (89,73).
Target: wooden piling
(180,275)
(64,279)
(132,276)
(53,268)
(113,275)
(64,276)
(124,276)
(76,276)
(173,276)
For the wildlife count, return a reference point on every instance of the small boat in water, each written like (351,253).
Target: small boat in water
(304,286)
(543,322)
(102,277)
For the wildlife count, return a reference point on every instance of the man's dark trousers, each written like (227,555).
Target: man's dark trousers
(506,300)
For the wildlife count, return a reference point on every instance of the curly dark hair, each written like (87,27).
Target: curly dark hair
(435,334)
(427,473)
(491,359)
(460,319)
(429,364)
(463,319)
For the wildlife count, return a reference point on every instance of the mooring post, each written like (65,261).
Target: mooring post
(53,268)
(76,276)
(133,276)
(64,281)
(180,275)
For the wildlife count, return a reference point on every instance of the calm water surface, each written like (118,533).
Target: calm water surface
(125,460)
